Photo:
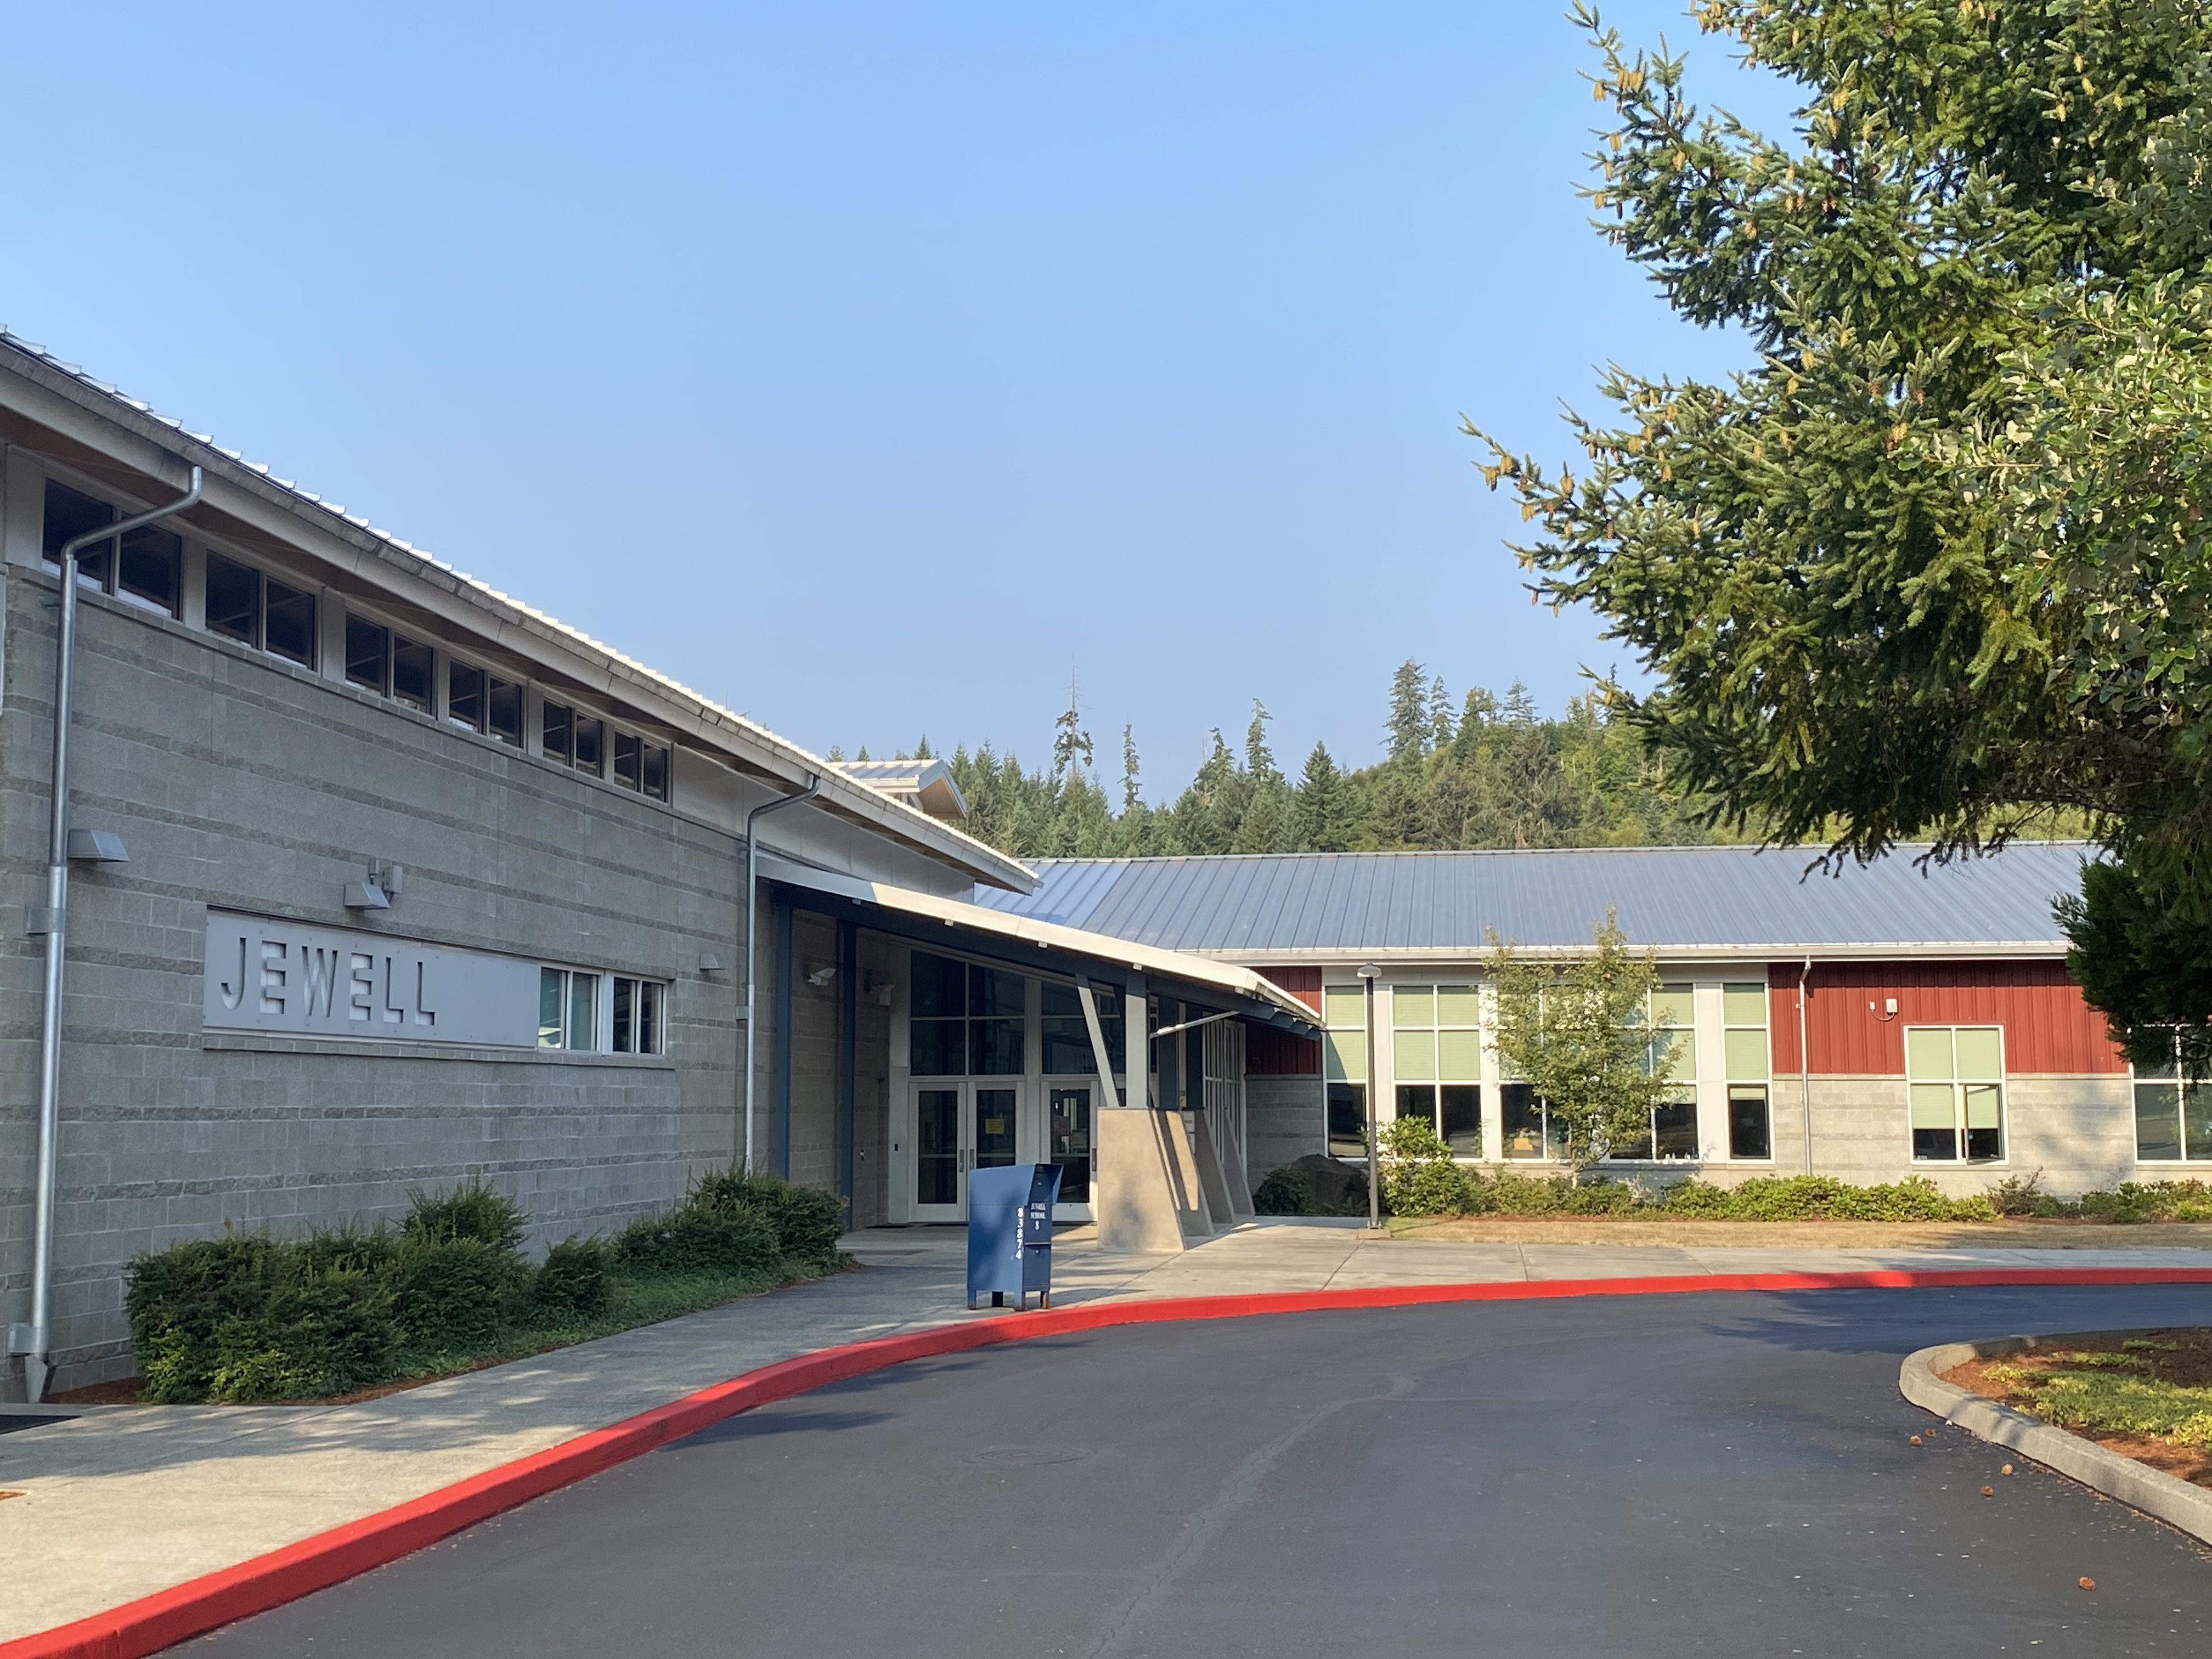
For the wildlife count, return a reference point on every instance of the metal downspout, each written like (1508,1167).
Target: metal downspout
(38,1350)
(1805,1065)
(746,955)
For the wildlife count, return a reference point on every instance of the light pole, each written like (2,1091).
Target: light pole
(1369,973)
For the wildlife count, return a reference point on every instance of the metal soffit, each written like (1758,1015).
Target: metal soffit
(976,856)
(1683,900)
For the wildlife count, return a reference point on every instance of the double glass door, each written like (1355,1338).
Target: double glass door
(959,1127)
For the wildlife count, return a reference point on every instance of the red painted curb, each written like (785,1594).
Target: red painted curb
(154,1622)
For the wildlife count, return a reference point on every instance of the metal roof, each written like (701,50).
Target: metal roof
(926,783)
(1685,901)
(714,722)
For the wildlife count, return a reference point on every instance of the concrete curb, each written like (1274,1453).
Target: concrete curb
(2162,1496)
(154,1622)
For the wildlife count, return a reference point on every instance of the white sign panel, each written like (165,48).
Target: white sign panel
(264,974)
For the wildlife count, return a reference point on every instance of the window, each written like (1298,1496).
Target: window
(1955,1076)
(2173,1115)
(638,1021)
(572,737)
(145,571)
(1526,1125)
(568,1009)
(1344,1068)
(1672,1050)
(69,513)
(1436,1053)
(641,765)
(1743,1045)
(1066,1035)
(411,665)
(483,702)
(965,1018)
(266,613)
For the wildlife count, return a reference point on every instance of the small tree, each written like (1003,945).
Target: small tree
(1576,1033)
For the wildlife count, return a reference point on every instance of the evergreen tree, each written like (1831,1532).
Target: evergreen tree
(1440,715)
(1258,760)
(1408,725)
(1132,795)
(1318,823)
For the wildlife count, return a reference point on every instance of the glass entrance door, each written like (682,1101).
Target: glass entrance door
(1069,1143)
(959,1127)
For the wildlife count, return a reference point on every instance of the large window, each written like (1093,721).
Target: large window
(2173,1115)
(1066,1035)
(574,738)
(641,765)
(269,615)
(1344,1068)
(1436,1058)
(1955,1076)
(964,1019)
(146,570)
(1743,1042)
(1671,1050)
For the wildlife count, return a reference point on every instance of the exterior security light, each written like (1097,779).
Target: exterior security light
(97,847)
(710,963)
(821,976)
(366,896)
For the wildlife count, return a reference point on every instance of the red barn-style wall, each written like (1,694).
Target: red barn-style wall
(2048,1029)
(1271,1053)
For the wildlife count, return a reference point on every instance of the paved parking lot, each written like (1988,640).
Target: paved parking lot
(1692,1475)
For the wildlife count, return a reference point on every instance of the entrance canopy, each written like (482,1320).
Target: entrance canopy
(1050,947)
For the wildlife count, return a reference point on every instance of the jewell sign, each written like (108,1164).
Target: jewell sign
(266,975)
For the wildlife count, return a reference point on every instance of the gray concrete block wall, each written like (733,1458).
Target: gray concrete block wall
(238,780)
(1285,1119)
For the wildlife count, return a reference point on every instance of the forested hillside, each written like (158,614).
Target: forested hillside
(1488,773)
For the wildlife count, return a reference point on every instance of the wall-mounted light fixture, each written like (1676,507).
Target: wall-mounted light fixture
(710,963)
(97,847)
(383,885)
(821,976)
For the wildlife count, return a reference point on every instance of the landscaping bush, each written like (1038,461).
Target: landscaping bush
(1823,1198)
(696,1238)
(1419,1176)
(471,1210)
(451,1293)
(1286,1191)
(808,1220)
(573,1282)
(1315,1184)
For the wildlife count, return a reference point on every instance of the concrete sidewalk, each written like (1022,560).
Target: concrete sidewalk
(123,1501)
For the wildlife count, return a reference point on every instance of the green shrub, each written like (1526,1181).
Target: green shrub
(808,1220)
(572,1284)
(1286,1191)
(1419,1175)
(1823,1198)
(451,1293)
(472,1210)
(696,1238)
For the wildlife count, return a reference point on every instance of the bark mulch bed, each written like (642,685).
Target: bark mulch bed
(2180,1358)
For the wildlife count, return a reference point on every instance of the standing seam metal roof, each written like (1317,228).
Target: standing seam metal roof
(1676,898)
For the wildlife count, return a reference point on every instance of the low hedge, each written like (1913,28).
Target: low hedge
(1421,1177)
(252,1317)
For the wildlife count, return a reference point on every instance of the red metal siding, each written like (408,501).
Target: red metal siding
(2048,1028)
(1303,983)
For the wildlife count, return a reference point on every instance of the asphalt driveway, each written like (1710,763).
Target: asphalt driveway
(1701,1475)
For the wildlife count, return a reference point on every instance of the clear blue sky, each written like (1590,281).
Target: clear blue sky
(874,369)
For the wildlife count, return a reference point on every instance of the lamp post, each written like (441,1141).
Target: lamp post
(1369,973)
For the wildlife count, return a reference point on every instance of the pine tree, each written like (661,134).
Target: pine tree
(1069,743)
(1320,804)
(1132,795)
(1408,725)
(1440,715)
(1258,760)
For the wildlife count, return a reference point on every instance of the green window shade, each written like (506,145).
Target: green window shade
(1414,1056)
(1344,1005)
(1746,1056)
(1413,1006)
(1981,1051)
(1459,1055)
(1671,1005)
(1345,1056)
(1933,1106)
(1927,1051)
(1985,1105)
(1682,1062)
(1458,1005)
(1743,1004)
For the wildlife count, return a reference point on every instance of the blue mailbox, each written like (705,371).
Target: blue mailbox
(1010,1232)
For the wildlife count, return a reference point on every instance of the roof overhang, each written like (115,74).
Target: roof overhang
(1052,947)
(52,409)
(1919,949)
